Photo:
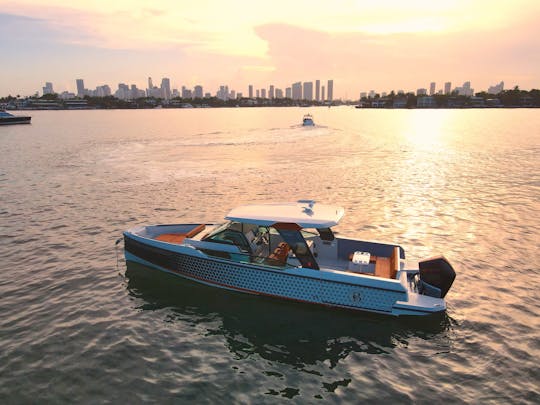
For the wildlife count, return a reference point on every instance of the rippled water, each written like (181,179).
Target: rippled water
(76,325)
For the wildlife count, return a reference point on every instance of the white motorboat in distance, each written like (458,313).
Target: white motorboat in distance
(307,120)
(289,251)
(10,119)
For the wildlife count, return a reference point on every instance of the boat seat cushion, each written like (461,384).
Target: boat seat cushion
(179,237)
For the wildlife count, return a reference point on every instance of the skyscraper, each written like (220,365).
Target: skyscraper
(308,91)
(198,92)
(330,90)
(322,93)
(318,90)
(48,89)
(250,91)
(432,88)
(80,87)
(447,87)
(271,92)
(166,88)
(297,91)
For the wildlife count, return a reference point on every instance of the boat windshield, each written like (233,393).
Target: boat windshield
(298,244)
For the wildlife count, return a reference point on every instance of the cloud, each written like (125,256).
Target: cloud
(362,61)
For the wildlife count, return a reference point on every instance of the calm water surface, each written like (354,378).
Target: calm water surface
(78,326)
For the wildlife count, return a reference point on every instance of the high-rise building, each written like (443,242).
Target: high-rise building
(330,90)
(223,93)
(422,92)
(80,87)
(263,93)
(318,90)
(48,89)
(166,88)
(297,91)
(279,93)
(322,93)
(308,91)
(271,92)
(150,85)
(250,91)
(123,92)
(198,92)
(288,92)
(258,93)
(496,89)
(432,88)
(447,87)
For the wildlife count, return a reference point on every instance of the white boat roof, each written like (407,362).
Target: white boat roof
(305,213)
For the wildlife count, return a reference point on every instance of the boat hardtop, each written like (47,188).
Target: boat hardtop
(288,250)
(304,213)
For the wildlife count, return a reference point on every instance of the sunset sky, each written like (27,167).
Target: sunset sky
(382,45)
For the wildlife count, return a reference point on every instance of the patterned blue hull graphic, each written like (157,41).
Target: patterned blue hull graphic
(272,282)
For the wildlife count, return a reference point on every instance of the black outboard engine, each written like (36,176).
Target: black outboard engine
(436,277)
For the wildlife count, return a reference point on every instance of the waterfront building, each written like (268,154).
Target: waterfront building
(308,91)
(322,93)
(166,88)
(465,90)
(317,90)
(271,92)
(371,94)
(186,93)
(422,92)
(297,91)
(123,92)
(426,102)
(239,95)
(263,93)
(66,95)
(102,91)
(258,93)
(223,93)
(330,90)
(250,91)
(496,89)
(447,88)
(198,91)
(48,89)
(279,93)
(80,87)
(432,88)
(288,92)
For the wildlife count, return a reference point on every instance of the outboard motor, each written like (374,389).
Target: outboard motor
(436,276)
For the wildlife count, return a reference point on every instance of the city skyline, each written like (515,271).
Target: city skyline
(360,45)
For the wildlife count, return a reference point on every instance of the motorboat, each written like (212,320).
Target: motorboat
(289,251)
(10,119)
(307,120)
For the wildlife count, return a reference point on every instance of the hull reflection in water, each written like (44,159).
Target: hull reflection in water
(295,334)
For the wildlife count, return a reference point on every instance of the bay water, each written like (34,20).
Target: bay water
(78,325)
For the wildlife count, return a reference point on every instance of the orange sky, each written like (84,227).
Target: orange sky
(362,45)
